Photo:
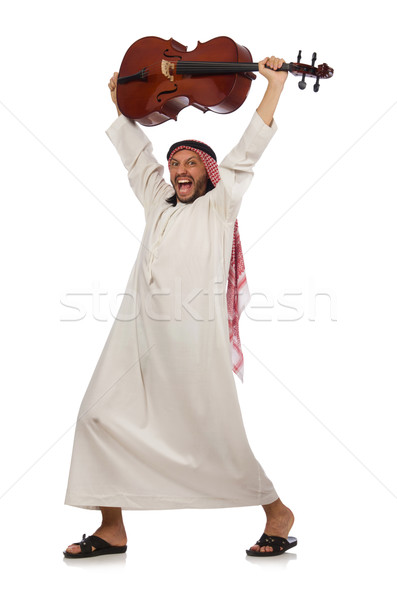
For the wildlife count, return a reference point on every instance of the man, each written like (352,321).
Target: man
(160,425)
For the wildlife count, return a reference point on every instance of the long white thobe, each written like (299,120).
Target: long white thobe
(160,424)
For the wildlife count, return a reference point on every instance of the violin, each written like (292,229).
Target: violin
(158,78)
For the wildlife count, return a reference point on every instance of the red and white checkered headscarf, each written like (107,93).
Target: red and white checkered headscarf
(237,294)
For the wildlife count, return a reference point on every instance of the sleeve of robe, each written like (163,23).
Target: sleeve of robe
(145,174)
(236,170)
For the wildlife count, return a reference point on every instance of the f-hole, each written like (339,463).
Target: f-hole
(166,92)
(171,55)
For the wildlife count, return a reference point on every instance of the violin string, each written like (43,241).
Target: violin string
(201,67)
(197,67)
(216,67)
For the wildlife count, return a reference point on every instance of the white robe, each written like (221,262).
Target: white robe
(160,425)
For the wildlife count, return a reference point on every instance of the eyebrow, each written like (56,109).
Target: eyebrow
(193,156)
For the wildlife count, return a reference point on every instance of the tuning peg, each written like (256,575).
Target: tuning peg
(302,83)
(314,58)
(316,86)
(299,56)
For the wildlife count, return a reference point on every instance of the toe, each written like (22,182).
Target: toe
(73,549)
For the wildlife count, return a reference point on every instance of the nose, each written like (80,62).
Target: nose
(181,169)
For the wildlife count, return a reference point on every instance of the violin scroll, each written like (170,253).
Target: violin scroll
(321,72)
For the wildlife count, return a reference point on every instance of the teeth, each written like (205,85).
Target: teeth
(183,181)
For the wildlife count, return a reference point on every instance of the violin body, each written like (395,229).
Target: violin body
(158,78)
(156,92)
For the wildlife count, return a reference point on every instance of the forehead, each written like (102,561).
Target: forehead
(184,155)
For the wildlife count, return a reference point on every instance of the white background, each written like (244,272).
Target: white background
(319,392)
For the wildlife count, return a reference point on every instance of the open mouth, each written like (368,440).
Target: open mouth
(184,186)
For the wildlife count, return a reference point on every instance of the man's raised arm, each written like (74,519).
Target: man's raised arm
(276,80)
(145,174)
(237,167)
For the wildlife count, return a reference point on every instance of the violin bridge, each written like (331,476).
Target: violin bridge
(167,69)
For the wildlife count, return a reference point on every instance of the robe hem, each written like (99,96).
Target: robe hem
(166,502)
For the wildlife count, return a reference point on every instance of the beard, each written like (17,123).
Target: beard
(199,188)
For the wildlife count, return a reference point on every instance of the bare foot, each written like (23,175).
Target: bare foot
(279,522)
(114,536)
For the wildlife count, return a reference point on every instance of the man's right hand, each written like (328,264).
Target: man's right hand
(113,89)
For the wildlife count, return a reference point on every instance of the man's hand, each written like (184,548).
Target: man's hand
(113,89)
(271,75)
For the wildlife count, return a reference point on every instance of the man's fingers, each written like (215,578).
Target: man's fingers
(273,62)
(113,81)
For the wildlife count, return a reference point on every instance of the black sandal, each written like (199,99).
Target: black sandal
(100,545)
(274,541)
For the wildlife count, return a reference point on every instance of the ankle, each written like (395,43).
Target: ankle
(113,526)
(112,518)
(275,508)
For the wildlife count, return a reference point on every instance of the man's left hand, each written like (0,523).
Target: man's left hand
(271,74)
